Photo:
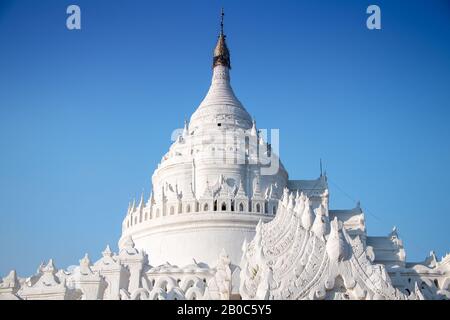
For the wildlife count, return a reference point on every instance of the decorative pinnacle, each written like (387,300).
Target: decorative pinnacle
(221,52)
(221,22)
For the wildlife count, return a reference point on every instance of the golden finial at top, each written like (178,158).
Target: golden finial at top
(221,22)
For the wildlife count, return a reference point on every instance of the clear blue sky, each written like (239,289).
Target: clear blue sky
(85,116)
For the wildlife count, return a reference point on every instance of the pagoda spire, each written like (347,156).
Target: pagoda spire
(141,201)
(221,52)
(185,129)
(221,22)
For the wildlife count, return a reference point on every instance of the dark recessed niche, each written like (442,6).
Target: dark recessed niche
(219,124)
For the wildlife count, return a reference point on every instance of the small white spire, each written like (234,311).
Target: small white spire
(285,197)
(241,190)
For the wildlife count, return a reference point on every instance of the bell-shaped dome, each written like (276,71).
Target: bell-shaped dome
(220,107)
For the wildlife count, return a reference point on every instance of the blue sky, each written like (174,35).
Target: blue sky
(85,116)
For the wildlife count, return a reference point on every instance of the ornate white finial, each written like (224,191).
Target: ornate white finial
(221,52)
(394,233)
(291,203)
(259,226)
(336,246)
(10,281)
(253,131)
(308,215)
(107,252)
(85,261)
(185,129)
(244,245)
(321,171)
(41,267)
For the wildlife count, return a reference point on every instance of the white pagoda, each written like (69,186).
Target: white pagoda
(225,221)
